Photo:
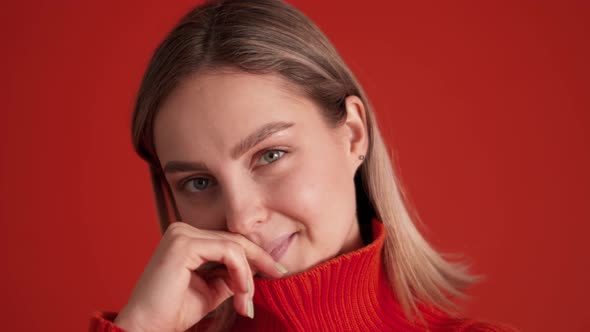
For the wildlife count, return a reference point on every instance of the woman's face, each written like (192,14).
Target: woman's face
(247,154)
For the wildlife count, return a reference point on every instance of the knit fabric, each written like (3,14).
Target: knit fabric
(347,293)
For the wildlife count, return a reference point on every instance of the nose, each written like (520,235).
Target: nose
(244,209)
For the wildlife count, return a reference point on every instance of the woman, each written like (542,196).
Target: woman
(265,150)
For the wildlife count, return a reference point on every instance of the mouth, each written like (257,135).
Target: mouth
(278,248)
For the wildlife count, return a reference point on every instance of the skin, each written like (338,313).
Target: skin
(296,181)
(308,189)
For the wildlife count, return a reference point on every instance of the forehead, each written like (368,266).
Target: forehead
(211,112)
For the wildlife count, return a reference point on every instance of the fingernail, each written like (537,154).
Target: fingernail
(250,287)
(280,268)
(250,309)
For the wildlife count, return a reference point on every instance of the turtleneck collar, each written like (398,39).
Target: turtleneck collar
(347,293)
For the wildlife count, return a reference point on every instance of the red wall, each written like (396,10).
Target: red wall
(484,103)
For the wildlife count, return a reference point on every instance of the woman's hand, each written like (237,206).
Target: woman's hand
(173,295)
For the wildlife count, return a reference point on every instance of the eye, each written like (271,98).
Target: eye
(270,156)
(195,184)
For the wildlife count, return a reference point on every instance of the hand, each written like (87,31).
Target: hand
(173,294)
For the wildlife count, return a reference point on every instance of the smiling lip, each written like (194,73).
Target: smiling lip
(279,246)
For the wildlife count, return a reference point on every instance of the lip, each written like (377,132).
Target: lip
(278,247)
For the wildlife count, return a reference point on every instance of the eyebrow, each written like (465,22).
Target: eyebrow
(239,149)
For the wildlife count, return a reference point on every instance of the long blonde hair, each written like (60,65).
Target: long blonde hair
(270,36)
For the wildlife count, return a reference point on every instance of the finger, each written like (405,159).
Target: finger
(258,258)
(237,270)
(220,287)
(214,290)
(196,252)
(261,260)
(221,283)
(221,272)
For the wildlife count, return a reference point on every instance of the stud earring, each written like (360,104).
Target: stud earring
(362,157)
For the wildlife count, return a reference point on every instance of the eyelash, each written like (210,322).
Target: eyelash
(182,184)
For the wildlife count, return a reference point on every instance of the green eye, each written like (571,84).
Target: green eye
(200,184)
(271,156)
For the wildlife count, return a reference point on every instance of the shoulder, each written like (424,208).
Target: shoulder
(440,321)
(483,326)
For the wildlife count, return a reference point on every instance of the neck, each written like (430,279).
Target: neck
(353,241)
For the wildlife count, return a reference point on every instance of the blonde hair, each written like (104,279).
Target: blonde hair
(270,36)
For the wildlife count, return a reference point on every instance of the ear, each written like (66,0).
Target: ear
(356,129)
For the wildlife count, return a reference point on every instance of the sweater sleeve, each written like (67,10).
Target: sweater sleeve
(103,321)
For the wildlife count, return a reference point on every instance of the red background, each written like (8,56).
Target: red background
(484,104)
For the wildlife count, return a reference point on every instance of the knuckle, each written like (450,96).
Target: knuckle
(178,242)
(234,251)
(230,245)
(233,236)
(174,229)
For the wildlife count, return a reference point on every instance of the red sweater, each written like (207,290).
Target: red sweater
(347,293)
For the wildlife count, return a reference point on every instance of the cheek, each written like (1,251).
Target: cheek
(314,193)
(298,195)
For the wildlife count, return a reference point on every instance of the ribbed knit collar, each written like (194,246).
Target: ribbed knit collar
(347,293)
